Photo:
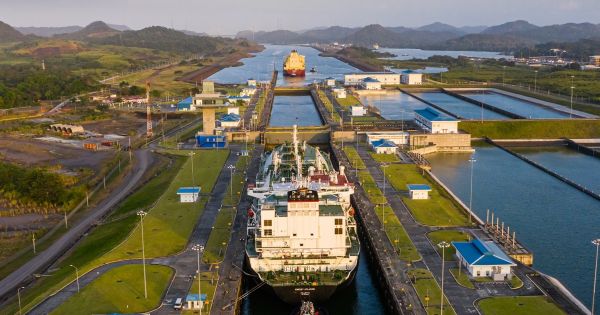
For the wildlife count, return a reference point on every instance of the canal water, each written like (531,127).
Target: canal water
(515,105)
(394,105)
(361,297)
(294,110)
(261,66)
(459,107)
(407,54)
(554,220)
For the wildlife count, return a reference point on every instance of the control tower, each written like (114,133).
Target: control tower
(209,101)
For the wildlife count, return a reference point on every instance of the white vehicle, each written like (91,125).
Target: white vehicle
(178,304)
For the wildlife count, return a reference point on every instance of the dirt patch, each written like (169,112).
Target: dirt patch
(122,125)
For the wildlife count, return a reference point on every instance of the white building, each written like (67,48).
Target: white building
(418,191)
(330,81)
(385,78)
(339,92)
(251,82)
(411,77)
(248,91)
(397,137)
(358,111)
(188,194)
(595,60)
(230,120)
(370,84)
(484,259)
(383,146)
(233,110)
(434,122)
(195,301)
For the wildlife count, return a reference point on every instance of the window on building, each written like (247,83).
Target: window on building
(338,231)
(268,223)
(338,221)
(268,232)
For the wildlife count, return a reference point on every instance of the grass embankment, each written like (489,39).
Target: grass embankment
(384,158)
(533,129)
(208,287)
(333,114)
(438,210)
(120,290)
(429,291)
(519,305)
(221,234)
(393,228)
(350,100)
(462,278)
(449,236)
(105,236)
(354,158)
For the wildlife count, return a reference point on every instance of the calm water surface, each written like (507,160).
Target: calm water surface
(459,107)
(517,106)
(407,54)
(290,110)
(554,220)
(260,67)
(394,105)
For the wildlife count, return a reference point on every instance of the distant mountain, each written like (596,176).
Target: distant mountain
(579,50)
(486,42)
(274,37)
(96,29)
(441,27)
(569,32)
(400,29)
(9,34)
(329,34)
(377,34)
(158,37)
(510,27)
(472,29)
(192,33)
(119,27)
(48,31)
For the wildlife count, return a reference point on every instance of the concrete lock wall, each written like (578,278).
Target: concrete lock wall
(442,140)
(310,136)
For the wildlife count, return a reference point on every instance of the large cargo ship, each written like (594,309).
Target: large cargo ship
(301,232)
(294,65)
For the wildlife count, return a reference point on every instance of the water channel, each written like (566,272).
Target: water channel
(515,105)
(459,107)
(554,220)
(394,105)
(290,110)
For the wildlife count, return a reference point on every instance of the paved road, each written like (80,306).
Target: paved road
(48,256)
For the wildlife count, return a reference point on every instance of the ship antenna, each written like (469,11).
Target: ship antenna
(296,154)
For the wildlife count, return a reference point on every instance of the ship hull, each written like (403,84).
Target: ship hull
(294,73)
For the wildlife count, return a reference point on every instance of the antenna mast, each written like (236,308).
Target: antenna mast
(148,111)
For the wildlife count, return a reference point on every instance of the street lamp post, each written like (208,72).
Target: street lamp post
(76,276)
(231,169)
(384,166)
(597,243)
(571,111)
(443,245)
(472,161)
(192,158)
(535,82)
(199,249)
(19,298)
(142,214)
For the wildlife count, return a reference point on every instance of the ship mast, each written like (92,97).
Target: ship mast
(296,155)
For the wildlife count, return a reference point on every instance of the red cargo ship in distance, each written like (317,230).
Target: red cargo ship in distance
(294,65)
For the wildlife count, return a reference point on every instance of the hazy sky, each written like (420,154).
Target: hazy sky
(228,16)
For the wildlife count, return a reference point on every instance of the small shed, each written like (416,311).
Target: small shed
(251,82)
(358,111)
(188,194)
(418,191)
(195,301)
(371,84)
(185,104)
(484,259)
(339,92)
(383,146)
(330,81)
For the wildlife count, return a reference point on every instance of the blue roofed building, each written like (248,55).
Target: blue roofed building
(185,104)
(434,122)
(210,141)
(418,191)
(370,83)
(383,146)
(188,194)
(231,120)
(195,301)
(484,259)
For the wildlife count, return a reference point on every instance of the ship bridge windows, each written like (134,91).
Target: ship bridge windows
(339,221)
(268,232)
(268,223)
(339,231)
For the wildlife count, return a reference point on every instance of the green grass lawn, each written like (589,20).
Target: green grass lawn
(438,210)
(350,100)
(208,287)
(427,287)
(533,129)
(168,225)
(462,278)
(519,305)
(393,228)
(447,235)
(353,157)
(384,158)
(515,282)
(327,102)
(120,290)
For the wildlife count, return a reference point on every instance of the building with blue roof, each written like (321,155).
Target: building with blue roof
(484,259)
(370,83)
(188,194)
(231,120)
(434,122)
(418,191)
(195,301)
(384,146)
(185,104)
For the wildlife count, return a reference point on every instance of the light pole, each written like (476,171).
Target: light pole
(199,249)
(443,245)
(142,214)
(231,169)
(19,297)
(535,82)
(472,161)
(76,276)
(597,243)
(571,112)
(192,158)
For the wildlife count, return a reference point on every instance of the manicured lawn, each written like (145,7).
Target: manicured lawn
(120,290)
(168,224)
(393,228)
(327,102)
(384,158)
(427,287)
(519,305)
(438,210)
(208,287)
(350,100)
(353,157)
(515,282)
(447,235)
(462,278)
(533,129)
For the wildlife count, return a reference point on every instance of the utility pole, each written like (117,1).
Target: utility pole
(142,214)
(76,276)
(192,158)
(443,245)
(199,249)
(148,112)
(597,243)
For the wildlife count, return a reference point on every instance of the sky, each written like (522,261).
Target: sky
(226,17)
